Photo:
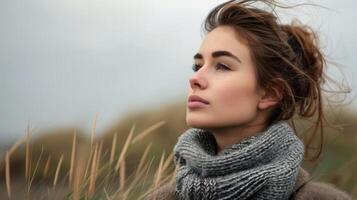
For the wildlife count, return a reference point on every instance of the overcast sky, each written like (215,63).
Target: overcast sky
(63,61)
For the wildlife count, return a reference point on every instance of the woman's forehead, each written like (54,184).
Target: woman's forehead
(224,38)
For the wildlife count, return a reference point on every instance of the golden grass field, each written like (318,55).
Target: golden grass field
(134,156)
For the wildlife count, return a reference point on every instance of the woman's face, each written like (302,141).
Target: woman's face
(225,77)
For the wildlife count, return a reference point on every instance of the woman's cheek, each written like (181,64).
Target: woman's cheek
(238,98)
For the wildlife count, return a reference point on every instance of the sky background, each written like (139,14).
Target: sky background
(64,61)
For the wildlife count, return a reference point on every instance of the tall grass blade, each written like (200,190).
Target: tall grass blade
(72,158)
(147,131)
(125,147)
(58,170)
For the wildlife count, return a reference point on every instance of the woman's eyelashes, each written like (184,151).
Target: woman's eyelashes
(219,66)
(195,67)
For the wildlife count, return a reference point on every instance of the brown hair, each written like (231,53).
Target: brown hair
(287,58)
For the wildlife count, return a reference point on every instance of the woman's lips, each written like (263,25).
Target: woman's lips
(197,98)
(196,104)
(195,101)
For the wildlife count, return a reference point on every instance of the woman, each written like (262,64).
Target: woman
(251,75)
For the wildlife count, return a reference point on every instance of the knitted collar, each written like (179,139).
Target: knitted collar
(264,165)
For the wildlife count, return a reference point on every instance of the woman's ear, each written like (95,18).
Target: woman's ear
(270,99)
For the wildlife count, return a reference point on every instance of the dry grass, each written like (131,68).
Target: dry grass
(148,131)
(125,148)
(72,158)
(34,173)
(93,175)
(7,172)
(47,167)
(57,171)
(112,152)
(90,176)
(27,167)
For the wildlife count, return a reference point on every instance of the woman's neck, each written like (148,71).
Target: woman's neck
(227,136)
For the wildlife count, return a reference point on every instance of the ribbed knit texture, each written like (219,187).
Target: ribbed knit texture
(263,166)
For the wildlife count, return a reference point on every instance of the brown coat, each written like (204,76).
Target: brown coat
(305,189)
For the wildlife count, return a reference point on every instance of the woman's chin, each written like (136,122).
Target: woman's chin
(195,123)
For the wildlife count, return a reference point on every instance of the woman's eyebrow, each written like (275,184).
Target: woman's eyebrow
(216,54)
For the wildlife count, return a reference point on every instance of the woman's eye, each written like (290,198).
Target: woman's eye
(219,65)
(195,67)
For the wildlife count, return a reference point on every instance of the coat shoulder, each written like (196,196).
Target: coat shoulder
(313,190)
(305,189)
(321,191)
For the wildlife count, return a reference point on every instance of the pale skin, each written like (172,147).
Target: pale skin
(238,107)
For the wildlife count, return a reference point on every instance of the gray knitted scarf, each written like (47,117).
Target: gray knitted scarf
(263,166)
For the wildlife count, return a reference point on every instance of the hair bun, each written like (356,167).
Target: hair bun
(304,44)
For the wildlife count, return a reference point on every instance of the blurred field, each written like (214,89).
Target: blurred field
(134,156)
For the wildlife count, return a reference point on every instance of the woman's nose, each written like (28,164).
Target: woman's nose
(198,80)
